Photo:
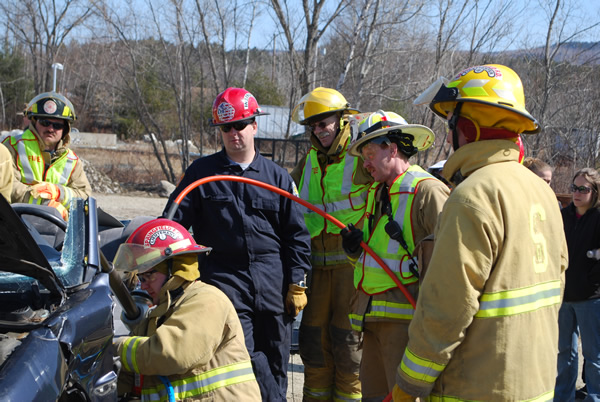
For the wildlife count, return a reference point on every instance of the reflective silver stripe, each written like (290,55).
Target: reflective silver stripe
(62,177)
(348,172)
(318,393)
(130,348)
(26,170)
(386,310)
(304,191)
(329,258)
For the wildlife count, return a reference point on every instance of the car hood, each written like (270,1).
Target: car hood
(20,253)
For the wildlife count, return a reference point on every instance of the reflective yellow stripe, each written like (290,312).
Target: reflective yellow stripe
(545,397)
(318,393)
(356,322)
(147,257)
(391,310)
(211,380)
(420,369)
(342,396)
(511,302)
(129,350)
(180,244)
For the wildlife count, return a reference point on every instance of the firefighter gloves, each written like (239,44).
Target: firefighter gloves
(351,238)
(401,396)
(48,191)
(295,300)
(60,208)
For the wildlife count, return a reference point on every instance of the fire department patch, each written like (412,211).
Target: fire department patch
(50,107)
(492,72)
(161,233)
(246,100)
(225,111)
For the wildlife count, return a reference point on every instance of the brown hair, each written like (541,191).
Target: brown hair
(536,165)
(593,177)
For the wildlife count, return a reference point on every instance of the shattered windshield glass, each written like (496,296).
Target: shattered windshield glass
(68,263)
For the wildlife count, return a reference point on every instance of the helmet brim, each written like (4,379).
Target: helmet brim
(423,137)
(324,115)
(213,124)
(131,256)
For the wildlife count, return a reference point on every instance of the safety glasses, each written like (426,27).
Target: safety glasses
(48,123)
(147,276)
(320,125)
(580,189)
(238,125)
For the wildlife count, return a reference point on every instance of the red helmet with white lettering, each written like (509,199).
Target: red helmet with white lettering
(234,104)
(152,243)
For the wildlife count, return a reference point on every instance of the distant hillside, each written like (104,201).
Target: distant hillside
(578,53)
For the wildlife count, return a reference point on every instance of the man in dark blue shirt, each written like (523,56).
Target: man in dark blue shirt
(260,244)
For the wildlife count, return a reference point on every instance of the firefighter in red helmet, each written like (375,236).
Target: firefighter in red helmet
(168,352)
(260,244)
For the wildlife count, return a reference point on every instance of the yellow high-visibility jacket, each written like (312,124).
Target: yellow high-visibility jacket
(31,163)
(486,323)
(350,195)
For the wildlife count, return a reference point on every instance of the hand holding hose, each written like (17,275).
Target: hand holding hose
(351,238)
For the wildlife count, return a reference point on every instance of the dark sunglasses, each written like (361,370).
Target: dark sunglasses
(48,123)
(320,124)
(580,189)
(238,125)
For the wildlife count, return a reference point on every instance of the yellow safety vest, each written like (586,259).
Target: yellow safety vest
(30,163)
(334,192)
(368,274)
(194,385)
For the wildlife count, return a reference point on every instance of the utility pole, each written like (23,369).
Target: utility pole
(55,66)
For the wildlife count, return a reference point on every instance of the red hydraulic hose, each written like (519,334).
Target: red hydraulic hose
(292,197)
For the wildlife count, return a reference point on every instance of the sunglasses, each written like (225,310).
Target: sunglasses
(48,123)
(580,189)
(320,124)
(147,276)
(238,125)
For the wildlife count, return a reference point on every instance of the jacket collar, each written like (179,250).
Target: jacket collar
(475,155)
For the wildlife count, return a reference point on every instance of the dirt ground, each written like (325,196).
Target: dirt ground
(128,206)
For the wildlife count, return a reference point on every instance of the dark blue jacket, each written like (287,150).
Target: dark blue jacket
(259,239)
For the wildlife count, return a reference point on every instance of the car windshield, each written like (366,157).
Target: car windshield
(68,263)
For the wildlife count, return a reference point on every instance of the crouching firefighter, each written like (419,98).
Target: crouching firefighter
(189,344)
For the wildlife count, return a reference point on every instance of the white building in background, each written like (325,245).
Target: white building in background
(274,125)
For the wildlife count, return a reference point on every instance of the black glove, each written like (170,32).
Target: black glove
(351,238)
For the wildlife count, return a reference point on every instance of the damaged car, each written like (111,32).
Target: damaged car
(56,306)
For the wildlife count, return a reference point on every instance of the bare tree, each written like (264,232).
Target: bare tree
(44,26)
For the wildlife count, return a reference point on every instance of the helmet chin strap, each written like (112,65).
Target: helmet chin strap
(453,125)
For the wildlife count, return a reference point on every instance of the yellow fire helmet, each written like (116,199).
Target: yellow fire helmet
(379,125)
(318,103)
(481,88)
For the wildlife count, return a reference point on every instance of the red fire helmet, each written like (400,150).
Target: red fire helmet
(154,242)
(234,104)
